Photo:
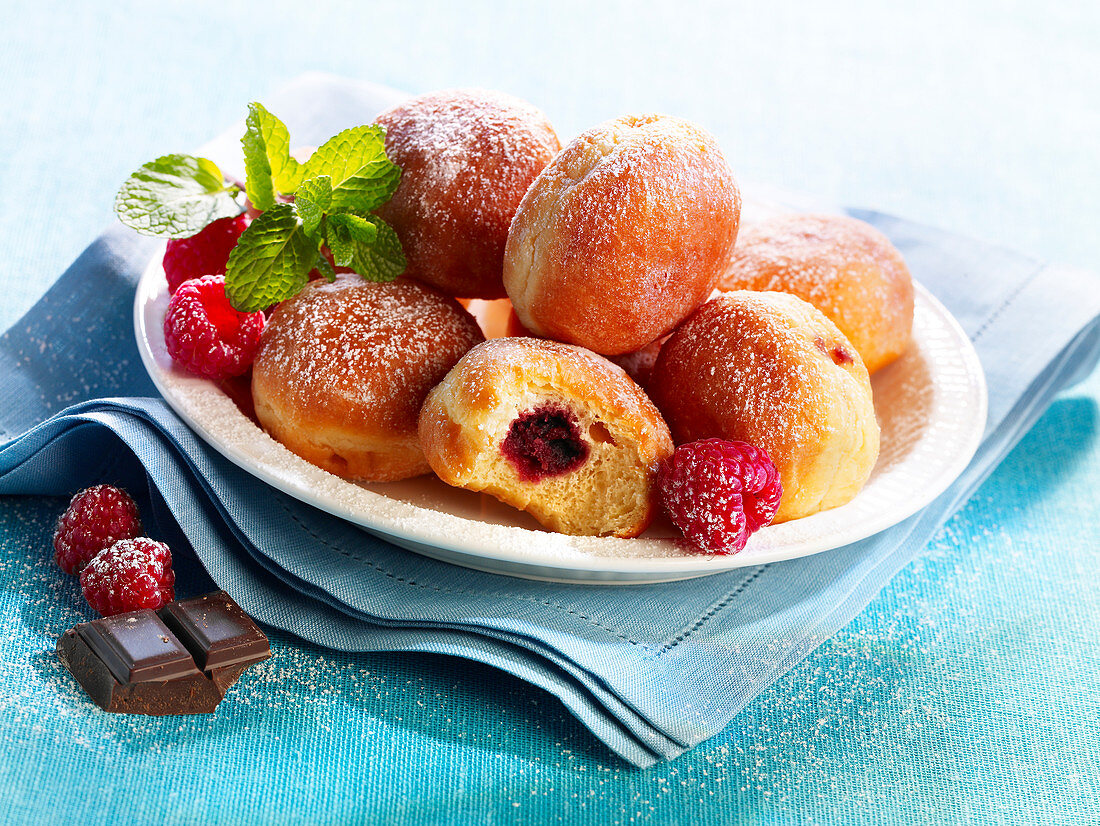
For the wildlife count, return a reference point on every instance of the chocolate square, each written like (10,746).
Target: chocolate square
(137,647)
(216,631)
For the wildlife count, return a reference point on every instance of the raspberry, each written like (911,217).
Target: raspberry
(131,574)
(205,253)
(204,334)
(96,518)
(717,492)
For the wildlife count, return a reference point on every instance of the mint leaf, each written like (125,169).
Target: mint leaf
(362,176)
(366,244)
(268,166)
(346,233)
(384,260)
(271,261)
(314,199)
(175,196)
(325,268)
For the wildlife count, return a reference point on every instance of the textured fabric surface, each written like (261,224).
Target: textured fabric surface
(992,718)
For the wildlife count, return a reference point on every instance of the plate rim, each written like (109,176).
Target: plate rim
(593,569)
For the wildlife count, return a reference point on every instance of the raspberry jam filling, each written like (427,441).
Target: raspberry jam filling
(838,354)
(545,441)
(841,356)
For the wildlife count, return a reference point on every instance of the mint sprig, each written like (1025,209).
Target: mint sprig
(328,201)
(324,267)
(335,191)
(176,196)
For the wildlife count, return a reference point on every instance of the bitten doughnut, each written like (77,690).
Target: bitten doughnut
(769,369)
(844,267)
(552,429)
(466,158)
(344,367)
(623,234)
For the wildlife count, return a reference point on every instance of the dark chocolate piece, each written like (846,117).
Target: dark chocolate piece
(142,663)
(193,694)
(138,647)
(216,631)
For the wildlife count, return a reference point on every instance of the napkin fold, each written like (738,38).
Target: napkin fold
(651,670)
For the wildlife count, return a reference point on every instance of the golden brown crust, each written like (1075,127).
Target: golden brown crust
(623,234)
(464,419)
(769,369)
(844,267)
(466,158)
(344,367)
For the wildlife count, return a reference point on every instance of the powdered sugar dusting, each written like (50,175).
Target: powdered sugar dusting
(478,141)
(361,350)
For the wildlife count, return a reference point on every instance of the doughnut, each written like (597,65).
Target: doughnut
(344,366)
(549,428)
(466,158)
(770,369)
(623,234)
(844,267)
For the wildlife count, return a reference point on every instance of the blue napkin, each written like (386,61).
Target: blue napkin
(650,670)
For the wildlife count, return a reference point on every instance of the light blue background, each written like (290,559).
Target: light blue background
(969,690)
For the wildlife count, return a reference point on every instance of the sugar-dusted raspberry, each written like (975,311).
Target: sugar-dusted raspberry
(204,334)
(131,574)
(717,492)
(205,253)
(96,518)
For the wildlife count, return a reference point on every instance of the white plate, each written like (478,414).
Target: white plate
(931,404)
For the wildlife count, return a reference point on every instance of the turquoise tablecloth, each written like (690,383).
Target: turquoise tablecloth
(967,691)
